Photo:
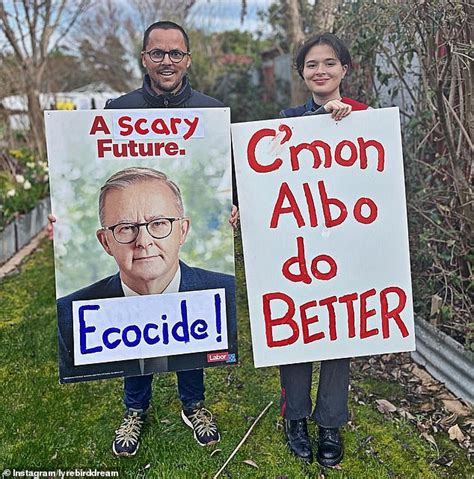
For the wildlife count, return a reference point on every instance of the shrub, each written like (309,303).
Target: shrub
(23,182)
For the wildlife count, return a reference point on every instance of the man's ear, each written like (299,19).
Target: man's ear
(143,60)
(189,61)
(102,237)
(185,224)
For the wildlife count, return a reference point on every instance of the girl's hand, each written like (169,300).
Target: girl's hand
(337,109)
(49,228)
(234,217)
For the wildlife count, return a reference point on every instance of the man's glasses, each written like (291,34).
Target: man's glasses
(158,228)
(156,55)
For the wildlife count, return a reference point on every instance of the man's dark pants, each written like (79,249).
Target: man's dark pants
(137,389)
(331,409)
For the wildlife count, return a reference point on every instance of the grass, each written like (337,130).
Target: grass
(47,426)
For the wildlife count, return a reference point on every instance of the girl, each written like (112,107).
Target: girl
(322,62)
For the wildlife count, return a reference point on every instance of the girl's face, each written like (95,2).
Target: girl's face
(323,73)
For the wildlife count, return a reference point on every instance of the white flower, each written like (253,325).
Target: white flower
(11,193)
(45,178)
(20,178)
(27,185)
(30,164)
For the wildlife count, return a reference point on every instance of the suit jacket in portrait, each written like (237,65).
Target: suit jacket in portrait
(192,279)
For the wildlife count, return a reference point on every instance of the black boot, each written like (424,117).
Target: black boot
(330,449)
(296,432)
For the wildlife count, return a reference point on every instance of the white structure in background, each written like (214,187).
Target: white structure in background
(88,97)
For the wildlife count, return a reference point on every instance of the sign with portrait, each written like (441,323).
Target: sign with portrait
(143,249)
(325,237)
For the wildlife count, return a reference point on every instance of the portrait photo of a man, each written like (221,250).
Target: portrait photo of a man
(143,227)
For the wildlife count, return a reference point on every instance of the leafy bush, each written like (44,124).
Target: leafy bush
(23,182)
(418,54)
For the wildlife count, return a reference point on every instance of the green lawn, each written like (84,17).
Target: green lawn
(47,426)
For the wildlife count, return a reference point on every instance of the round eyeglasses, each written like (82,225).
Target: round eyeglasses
(156,55)
(159,228)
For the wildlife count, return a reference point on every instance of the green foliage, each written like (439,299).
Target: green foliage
(238,42)
(418,52)
(245,98)
(226,65)
(278,16)
(205,68)
(48,426)
(22,185)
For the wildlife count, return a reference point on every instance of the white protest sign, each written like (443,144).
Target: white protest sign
(325,237)
(138,327)
(124,151)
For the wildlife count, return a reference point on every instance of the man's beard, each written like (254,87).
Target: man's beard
(167,87)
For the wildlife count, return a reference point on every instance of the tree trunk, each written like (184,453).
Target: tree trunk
(323,21)
(325,14)
(296,36)
(35,113)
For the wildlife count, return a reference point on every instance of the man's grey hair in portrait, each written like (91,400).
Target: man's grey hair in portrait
(133,175)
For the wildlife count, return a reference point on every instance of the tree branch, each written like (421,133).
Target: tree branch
(30,22)
(79,10)
(8,31)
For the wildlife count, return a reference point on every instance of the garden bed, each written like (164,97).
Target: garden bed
(24,227)
(24,201)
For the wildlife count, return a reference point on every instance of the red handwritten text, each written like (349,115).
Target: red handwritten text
(292,324)
(285,195)
(346,153)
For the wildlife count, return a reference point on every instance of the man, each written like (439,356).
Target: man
(166,57)
(143,228)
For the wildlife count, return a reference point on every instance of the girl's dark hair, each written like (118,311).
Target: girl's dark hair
(341,51)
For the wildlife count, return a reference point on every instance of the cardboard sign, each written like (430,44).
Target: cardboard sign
(140,236)
(325,238)
(149,326)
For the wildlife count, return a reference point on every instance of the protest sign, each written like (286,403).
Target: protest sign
(148,326)
(142,234)
(325,238)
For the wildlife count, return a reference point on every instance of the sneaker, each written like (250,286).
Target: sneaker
(200,421)
(127,436)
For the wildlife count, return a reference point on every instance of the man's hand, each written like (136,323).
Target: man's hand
(337,109)
(234,217)
(49,228)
